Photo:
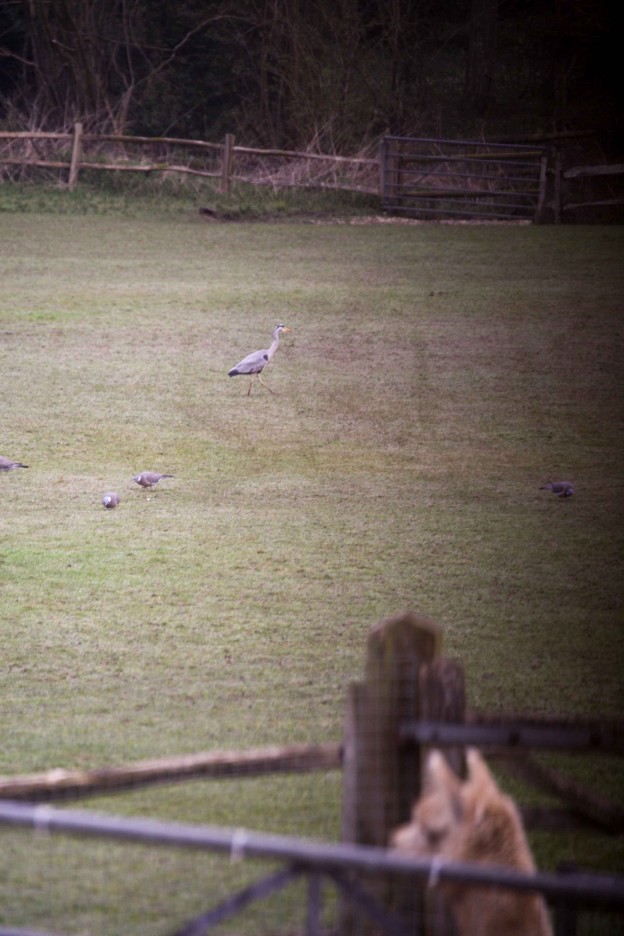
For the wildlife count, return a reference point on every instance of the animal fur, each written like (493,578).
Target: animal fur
(473,821)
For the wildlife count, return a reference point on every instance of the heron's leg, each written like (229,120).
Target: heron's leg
(250,384)
(266,385)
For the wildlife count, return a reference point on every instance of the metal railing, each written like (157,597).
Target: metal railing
(316,860)
(435,178)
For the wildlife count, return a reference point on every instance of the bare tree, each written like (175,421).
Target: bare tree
(89,59)
(481,59)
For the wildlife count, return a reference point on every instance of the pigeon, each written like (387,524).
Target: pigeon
(110,500)
(560,488)
(7,465)
(148,479)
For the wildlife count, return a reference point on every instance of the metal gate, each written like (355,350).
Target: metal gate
(338,863)
(442,179)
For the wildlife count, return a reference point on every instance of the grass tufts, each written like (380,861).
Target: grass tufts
(434,378)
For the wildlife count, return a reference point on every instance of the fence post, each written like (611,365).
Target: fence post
(382,171)
(75,156)
(558,188)
(226,164)
(390,173)
(397,648)
(405,679)
(541,196)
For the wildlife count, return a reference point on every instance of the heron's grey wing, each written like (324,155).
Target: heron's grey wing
(253,363)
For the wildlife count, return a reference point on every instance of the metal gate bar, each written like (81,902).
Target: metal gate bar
(236,902)
(500,181)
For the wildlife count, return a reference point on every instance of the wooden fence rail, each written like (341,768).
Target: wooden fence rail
(569,196)
(426,178)
(226,158)
(411,698)
(60,784)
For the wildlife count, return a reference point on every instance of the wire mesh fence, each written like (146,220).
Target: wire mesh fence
(132,875)
(234,847)
(106,885)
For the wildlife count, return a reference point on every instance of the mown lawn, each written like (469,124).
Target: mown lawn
(434,378)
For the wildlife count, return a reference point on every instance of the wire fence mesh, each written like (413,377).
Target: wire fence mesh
(61,880)
(243,850)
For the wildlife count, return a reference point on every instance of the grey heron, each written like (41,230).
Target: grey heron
(110,500)
(255,362)
(148,479)
(560,488)
(6,464)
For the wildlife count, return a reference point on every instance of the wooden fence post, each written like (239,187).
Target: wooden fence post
(75,156)
(390,172)
(405,680)
(226,164)
(541,196)
(397,648)
(382,170)
(558,187)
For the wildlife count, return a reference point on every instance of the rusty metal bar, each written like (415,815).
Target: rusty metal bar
(588,889)
(515,734)
(238,901)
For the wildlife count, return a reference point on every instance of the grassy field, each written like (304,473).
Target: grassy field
(434,378)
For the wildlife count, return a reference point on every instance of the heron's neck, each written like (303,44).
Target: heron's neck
(273,347)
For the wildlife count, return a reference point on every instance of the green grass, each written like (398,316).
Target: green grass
(435,376)
(125,194)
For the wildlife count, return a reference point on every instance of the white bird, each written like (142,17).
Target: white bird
(255,362)
(148,479)
(560,488)
(110,500)
(6,464)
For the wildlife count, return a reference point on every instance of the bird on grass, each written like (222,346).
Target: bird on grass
(110,500)
(255,362)
(560,488)
(148,479)
(7,465)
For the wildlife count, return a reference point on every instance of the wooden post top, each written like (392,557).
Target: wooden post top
(408,633)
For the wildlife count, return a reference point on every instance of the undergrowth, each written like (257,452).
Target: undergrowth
(104,193)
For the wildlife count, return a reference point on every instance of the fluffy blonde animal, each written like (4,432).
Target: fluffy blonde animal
(473,821)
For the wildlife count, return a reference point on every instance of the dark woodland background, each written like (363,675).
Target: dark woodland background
(330,74)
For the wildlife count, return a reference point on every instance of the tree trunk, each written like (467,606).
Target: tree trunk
(481,60)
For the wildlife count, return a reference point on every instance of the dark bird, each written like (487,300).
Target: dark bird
(7,465)
(148,479)
(560,488)
(255,362)
(110,500)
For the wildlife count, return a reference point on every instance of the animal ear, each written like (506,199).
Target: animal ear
(438,776)
(478,772)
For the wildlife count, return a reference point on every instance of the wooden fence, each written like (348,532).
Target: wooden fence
(421,178)
(586,192)
(225,162)
(412,698)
